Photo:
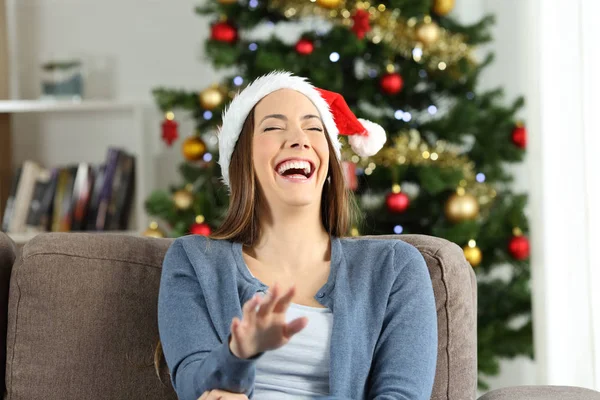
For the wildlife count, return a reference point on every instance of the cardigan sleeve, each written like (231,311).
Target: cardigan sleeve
(405,355)
(196,358)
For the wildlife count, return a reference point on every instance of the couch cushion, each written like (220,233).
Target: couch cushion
(541,393)
(7,259)
(82,318)
(455,290)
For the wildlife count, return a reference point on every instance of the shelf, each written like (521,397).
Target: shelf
(31,106)
(22,238)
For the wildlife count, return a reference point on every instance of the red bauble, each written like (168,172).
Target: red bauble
(397,202)
(224,32)
(200,229)
(391,83)
(519,137)
(169,131)
(304,47)
(518,247)
(361,23)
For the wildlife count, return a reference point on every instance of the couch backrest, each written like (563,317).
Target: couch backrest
(7,259)
(455,290)
(82,318)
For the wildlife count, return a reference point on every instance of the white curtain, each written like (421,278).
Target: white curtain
(564,124)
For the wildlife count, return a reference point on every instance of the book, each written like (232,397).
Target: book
(81,196)
(99,171)
(29,174)
(34,215)
(10,203)
(47,206)
(122,193)
(112,160)
(62,212)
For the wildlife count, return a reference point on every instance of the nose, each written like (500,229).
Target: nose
(299,140)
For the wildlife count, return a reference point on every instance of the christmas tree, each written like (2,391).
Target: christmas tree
(409,66)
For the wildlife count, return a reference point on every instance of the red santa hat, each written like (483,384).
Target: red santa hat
(366,137)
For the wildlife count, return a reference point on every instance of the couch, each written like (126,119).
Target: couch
(78,314)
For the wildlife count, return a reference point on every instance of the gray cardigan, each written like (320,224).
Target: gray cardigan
(384,336)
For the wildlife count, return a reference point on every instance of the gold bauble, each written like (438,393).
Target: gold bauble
(227,1)
(153,231)
(461,208)
(211,98)
(428,33)
(443,7)
(183,199)
(329,3)
(473,255)
(193,148)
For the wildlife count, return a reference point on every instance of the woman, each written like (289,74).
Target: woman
(276,304)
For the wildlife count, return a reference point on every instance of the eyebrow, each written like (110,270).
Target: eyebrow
(284,118)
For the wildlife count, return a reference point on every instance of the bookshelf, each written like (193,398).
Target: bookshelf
(89,109)
(41,130)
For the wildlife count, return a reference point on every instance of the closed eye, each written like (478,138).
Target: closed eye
(271,128)
(315,129)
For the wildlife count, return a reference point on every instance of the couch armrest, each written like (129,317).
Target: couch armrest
(8,252)
(542,393)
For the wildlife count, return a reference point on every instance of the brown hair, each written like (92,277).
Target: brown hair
(241,224)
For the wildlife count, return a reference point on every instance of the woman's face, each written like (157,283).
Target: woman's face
(290,151)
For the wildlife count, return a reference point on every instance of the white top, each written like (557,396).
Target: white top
(300,369)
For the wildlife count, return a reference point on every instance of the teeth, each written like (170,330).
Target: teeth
(305,165)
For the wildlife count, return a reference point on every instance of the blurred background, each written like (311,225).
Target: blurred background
(109,111)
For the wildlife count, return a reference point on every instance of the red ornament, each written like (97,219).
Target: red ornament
(304,47)
(519,136)
(397,202)
(169,131)
(361,23)
(223,32)
(391,83)
(200,229)
(350,174)
(518,247)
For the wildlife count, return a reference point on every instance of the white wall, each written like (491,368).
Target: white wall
(132,46)
(508,71)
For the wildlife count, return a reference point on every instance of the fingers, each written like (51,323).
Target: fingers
(204,396)
(249,309)
(277,301)
(222,395)
(294,327)
(268,302)
(285,300)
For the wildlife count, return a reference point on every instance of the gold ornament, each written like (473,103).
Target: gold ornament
(193,148)
(461,208)
(183,199)
(428,33)
(473,253)
(153,231)
(443,7)
(211,98)
(227,1)
(329,3)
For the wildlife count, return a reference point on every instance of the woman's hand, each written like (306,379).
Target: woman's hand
(265,329)
(222,395)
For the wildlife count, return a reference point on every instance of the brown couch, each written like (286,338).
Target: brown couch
(79,312)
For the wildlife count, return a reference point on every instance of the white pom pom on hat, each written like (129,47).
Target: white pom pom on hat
(366,137)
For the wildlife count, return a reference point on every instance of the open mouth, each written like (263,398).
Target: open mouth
(297,170)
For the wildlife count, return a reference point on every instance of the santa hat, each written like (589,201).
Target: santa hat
(366,137)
